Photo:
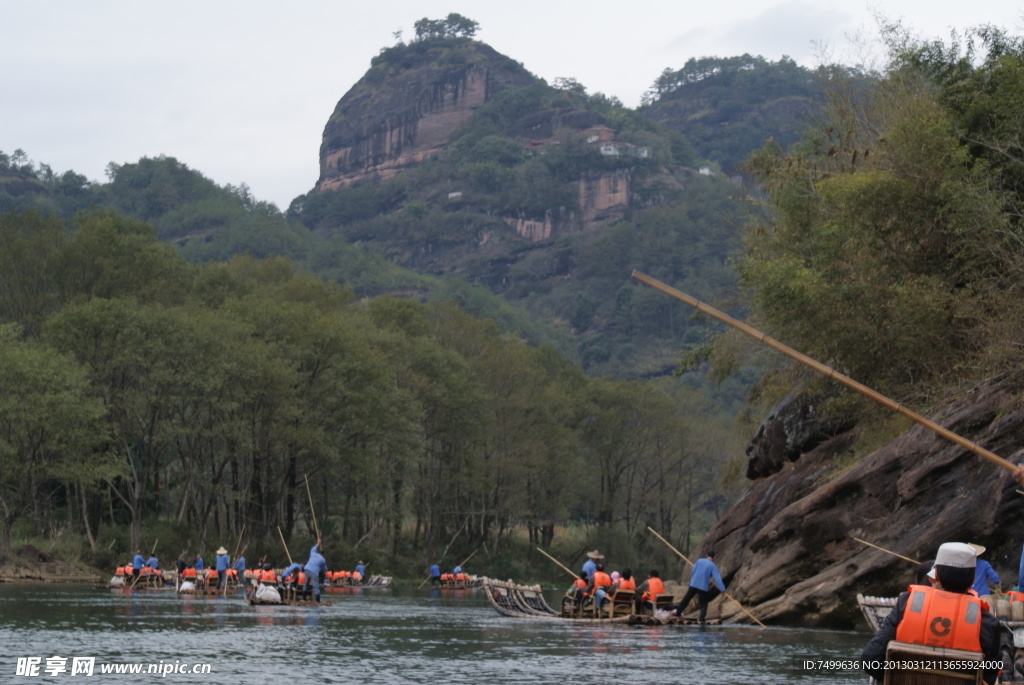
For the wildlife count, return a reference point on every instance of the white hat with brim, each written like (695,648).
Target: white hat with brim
(222,551)
(978,549)
(955,555)
(595,555)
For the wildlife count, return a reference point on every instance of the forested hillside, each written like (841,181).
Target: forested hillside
(195,400)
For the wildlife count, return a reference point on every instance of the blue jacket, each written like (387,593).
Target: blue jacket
(435,571)
(983,573)
(316,564)
(223,562)
(199,564)
(360,569)
(240,565)
(153,563)
(457,570)
(291,570)
(138,561)
(703,572)
(589,567)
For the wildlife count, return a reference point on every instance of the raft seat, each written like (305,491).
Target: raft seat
(904,651)
(665,602)
(621,603)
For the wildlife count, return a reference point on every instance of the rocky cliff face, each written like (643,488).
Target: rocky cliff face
(787,547)
(399,115)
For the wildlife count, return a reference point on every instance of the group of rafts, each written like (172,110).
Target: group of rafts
(263,586)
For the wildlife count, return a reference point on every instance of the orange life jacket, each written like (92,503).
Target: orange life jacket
(302,578)
(268,577)
(188,573)
(627,584)
(938,618)
(655,587)
(580,584)
(211,574)
(1015,596)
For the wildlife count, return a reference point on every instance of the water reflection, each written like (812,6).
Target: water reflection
(390,636)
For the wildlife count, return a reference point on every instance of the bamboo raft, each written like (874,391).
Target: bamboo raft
(527,601)
(471,583)
(875,609)
(290,596)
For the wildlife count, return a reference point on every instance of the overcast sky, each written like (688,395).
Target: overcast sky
(241,91)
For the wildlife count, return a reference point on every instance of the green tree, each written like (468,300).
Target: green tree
(49,424)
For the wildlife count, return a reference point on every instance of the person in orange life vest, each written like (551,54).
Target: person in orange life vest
(575,591)
(701,577)
(598,585)
(943,614)
(648,591)
(626,581)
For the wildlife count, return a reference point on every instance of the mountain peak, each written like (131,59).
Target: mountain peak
(405,108)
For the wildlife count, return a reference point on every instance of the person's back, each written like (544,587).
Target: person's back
(944,616)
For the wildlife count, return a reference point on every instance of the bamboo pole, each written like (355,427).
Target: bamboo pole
(882,549)
(285,544)
(470,556)
(564,567)
(311,511)
(825,370)
(234,555)
(691,564)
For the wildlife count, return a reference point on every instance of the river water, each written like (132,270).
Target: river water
(380,635)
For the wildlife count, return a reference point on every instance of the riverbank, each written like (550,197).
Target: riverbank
(23,571)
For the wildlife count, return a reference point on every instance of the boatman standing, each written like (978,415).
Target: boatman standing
(944,614)
(983,573)
(704,571)
(435,575)
(315,569)
(361,570)
(223,563)
(590,565)
(137,563)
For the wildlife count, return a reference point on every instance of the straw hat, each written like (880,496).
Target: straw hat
(221,550)
(595,555)
(978,549)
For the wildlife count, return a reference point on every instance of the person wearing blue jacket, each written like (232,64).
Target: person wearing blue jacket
(199,566)
(223,564)
(983,573)
(315,568)
(137,563)
(435,575)
(704,571)
(291,574)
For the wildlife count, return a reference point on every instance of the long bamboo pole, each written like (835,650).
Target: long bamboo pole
(883,549)
(691,564)
(470,556)
(285,545)
(311,511)
(564,567)
(827,371)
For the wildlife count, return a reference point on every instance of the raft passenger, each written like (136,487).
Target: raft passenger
(920,609)
(647,592)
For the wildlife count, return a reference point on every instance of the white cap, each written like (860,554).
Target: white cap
(956,555)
